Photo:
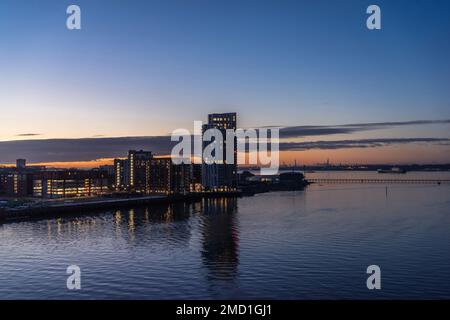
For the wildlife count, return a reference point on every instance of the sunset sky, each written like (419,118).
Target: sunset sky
(139,69)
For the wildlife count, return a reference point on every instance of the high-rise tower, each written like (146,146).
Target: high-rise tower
(221,176)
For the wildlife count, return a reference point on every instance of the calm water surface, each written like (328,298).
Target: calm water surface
(288,245)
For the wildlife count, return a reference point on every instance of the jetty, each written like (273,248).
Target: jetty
(379,180)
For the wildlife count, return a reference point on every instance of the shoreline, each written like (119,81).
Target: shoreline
(98,204)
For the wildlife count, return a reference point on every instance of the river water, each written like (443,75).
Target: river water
(310,244)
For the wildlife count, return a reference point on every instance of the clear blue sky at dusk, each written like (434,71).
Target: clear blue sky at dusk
(147,67)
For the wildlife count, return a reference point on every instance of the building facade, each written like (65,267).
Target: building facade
(16,181)
(220,176)
(169,178)
(139,170)
(39,182)
(3,180)
(69,183)
(133,173)
(143,173)
(121,174)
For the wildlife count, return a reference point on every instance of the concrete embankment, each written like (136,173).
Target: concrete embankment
(48,209)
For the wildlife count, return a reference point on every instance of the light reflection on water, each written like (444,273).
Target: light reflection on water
(292,245)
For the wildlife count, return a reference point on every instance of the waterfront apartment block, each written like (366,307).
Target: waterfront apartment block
(144,173)
(121,174)
(168,178)
(133,173)
(3,181)
(220,177)
(69,183)
(17,181)
(17,184)
(20,182)
(140,172)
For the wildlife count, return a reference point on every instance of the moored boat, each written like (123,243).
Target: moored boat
(392,170)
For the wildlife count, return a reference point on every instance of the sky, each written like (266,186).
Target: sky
(145,68)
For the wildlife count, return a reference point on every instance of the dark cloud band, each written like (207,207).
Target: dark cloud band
(305,131)
(58,150)
(363,143)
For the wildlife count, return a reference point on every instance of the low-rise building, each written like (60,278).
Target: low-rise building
(69,183)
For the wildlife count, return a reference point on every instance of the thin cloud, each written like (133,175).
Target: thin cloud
(305,131)
(362,143)
(28,134)
(399,123)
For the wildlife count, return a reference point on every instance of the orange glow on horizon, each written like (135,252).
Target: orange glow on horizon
(394,154)
(71,164)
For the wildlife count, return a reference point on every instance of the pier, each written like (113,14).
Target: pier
(378,180)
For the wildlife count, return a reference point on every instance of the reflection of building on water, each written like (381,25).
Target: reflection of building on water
(220,237)
(167,225)
(155,222)
(62,228)
(134,225)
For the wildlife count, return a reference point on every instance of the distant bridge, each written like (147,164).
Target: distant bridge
(378,180)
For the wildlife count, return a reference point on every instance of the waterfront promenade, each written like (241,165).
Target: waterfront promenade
(50,207)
